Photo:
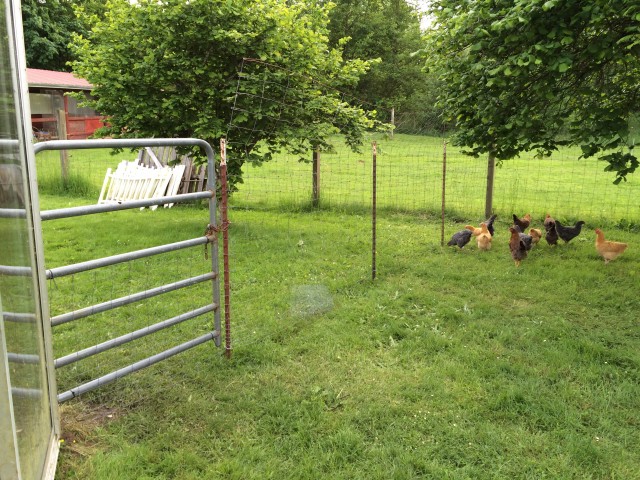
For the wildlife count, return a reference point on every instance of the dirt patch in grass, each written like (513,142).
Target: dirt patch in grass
(79,422)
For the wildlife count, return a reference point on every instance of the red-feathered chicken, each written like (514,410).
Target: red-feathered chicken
(517,246)
(522,223)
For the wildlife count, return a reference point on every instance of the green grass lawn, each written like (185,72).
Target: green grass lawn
(451,364)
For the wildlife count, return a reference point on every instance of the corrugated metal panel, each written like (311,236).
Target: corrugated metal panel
(51,79)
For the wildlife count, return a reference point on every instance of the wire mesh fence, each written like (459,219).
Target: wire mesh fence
(409,179)
(313,228)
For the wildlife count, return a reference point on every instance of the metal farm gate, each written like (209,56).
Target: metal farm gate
(213,276)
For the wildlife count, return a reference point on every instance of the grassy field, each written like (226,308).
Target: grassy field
(452,364)
(409,178)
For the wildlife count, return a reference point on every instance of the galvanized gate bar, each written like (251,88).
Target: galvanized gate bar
(19,317)
(115,259)
(26,392)
(147,362)
(136,297)
(10,271)
(24,358)
(121,340)
(123,257)
(113,207)
(124,143)
(13,213)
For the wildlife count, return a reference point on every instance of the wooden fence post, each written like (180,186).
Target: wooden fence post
(316,178)
(64,155)
(393,120)
(491,168)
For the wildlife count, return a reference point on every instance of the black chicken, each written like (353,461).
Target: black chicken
(460,238)
(567,233)
(489,223)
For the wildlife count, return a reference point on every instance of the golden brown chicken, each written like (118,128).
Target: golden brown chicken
(517,246)
(475,231)
(607,249)
(484,238)
(536,235)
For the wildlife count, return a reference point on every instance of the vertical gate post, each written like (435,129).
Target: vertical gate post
(316,178)
(225,245)
(211,186)
(491,168)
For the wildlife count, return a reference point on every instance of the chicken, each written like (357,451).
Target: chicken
(475,231)
(526,239)
(484,239)
(460,238)
(489,221)
(536,235)
(522,223)
(517,246)
(568,233)
(607,249)
(551,235)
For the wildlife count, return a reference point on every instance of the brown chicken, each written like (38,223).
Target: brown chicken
(607,249)
(484,239)
(536,235)
(517,246)
(522,223)
(551,236)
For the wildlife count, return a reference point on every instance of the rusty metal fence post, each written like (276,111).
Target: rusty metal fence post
(225,245)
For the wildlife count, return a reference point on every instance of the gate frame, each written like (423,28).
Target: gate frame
(210,236)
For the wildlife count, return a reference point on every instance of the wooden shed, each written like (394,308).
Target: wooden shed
(55,115)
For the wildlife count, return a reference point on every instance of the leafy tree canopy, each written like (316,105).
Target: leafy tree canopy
(169,68)
(535,74)
(48,26)
(387,30)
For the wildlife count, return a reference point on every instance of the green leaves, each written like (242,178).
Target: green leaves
(170,69)
(549,73)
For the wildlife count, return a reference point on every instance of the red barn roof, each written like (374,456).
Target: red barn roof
(50,79)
